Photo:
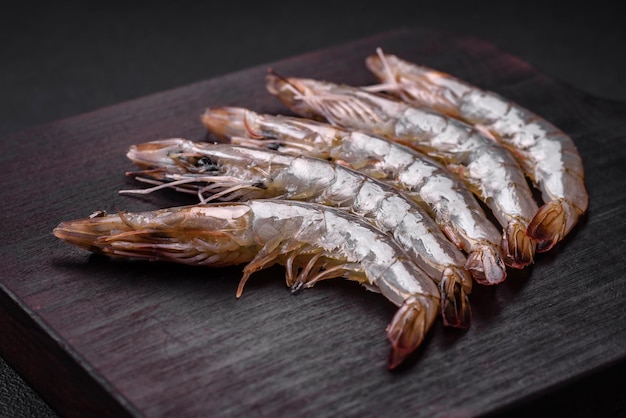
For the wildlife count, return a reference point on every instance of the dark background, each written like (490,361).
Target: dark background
(62,59)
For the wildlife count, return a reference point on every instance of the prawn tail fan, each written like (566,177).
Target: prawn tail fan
(408,327)
(548,226)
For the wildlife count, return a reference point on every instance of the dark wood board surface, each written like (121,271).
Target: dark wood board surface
(148,339)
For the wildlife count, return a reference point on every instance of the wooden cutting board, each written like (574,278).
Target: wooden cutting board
(127,338)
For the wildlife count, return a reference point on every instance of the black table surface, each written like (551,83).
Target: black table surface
(65,60)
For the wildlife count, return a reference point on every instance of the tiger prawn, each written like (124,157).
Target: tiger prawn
(547,154)
(312,241)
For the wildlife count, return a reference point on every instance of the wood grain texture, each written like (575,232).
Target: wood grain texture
(155,340)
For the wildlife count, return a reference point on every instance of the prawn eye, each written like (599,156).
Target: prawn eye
(274,146)
(197,164)
(206,164)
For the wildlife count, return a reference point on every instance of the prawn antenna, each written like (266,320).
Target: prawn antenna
(273,72)
(391,84)
(298,91)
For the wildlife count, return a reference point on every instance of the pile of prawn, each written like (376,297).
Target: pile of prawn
(392,185)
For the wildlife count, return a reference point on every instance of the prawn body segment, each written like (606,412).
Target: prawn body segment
(314,242)
(486,167)
(270,174)
(546,154)
(424,181)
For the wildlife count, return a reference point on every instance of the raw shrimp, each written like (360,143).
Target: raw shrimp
(423,180)
(232,172)
(313,242)
(486,167)
(547,155)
